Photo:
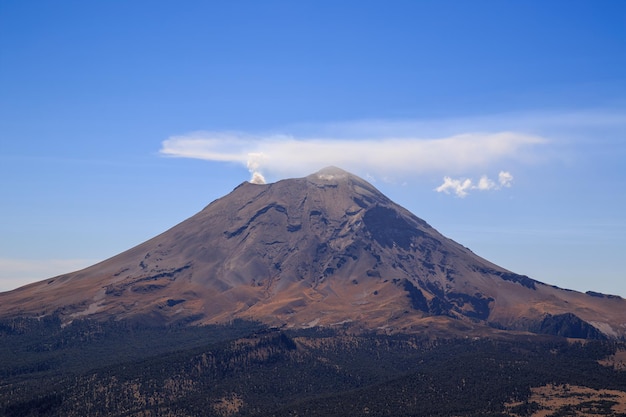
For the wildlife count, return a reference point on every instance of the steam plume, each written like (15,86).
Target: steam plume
(254,164)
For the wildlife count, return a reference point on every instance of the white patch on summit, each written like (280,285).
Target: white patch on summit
(331,173)
(326,177)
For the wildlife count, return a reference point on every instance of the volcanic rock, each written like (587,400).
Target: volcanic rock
(325,250)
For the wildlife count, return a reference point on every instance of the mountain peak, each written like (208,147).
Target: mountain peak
(332,172)
(333,176)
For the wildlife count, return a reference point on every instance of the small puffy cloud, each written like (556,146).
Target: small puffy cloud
(505,179)
(461,186)
(485,183)
(284,155)
(457,186)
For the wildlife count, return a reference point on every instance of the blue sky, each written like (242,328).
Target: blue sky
(501,123)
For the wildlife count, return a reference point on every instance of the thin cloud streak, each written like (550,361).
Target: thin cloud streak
(523,121)
(17,272)
(283,155)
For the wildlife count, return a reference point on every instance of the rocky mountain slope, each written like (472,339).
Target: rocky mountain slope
(325,250)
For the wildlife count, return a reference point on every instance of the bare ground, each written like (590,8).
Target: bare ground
(572,400)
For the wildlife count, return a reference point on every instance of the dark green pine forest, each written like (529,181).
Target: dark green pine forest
(115,368)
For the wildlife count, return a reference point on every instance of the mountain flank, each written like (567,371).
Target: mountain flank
(325,250)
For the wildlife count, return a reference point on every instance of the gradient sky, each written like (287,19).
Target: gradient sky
(501,123)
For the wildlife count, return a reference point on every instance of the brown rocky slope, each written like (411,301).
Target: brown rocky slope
(328,249)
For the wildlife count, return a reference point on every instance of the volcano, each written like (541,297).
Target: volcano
(325,250)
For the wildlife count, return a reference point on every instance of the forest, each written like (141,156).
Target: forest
(119,368)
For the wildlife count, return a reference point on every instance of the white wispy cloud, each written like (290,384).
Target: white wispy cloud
(541,122)
(462,186)
(287,155)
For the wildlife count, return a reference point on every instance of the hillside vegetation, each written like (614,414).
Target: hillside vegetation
(245,369)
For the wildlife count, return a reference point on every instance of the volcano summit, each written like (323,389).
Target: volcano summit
(325,250)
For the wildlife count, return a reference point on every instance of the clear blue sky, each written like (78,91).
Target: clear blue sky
(501,123)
